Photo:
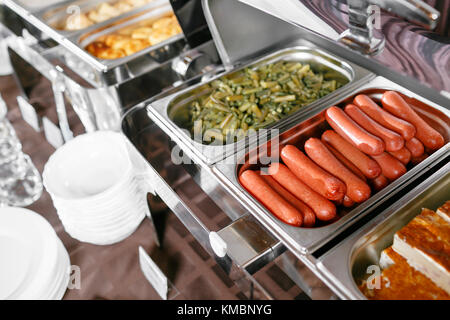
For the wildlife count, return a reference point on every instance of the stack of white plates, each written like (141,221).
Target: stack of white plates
(33,261)
(100,196)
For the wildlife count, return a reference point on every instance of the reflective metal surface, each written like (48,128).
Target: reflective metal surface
(361,35)
(172,112)
(71,40)
(306,240)
(411,54)
(345,265)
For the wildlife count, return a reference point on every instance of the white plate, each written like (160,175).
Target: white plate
(58,288)
(23,271)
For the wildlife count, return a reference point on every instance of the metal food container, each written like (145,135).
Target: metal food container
(172,111)
(346,265)
(149,17)
(71,40)
(307,240)
(57,15)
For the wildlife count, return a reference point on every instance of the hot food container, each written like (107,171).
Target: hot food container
(307,240)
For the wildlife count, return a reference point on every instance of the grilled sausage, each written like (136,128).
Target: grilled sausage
(368,166)
(311,174)
(348,202)
(415,147)
(357,189)
(403,155)
(348,129)
(345,161)
(323,208)
(280,207)
(396,105)
(392,140)
(373,110)
(379,183)
(309,217)
(390,166)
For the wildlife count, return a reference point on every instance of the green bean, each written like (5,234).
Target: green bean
(235,98)
(284,98)
(251,99)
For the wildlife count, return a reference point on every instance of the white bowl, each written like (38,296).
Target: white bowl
(110,238)
(88,166)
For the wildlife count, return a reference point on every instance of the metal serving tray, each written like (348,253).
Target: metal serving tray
(302,241)
(71,40)
(345,265)
(57,15)
(153,15)
(164,111)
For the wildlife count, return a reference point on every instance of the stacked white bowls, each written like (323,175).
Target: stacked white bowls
(98,191)
(33,261)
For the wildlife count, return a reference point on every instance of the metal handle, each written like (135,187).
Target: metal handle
(362,36)
(415,11)
(244,241)
(58,89)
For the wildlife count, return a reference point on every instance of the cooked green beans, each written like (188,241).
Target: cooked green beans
(252,99)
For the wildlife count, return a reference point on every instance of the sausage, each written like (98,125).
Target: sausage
(311,174)
(387,120)
(415,147)
(345,161)
(368,166)
(280,207)
(348,129)
(392,141)
(348,202)
(323,208)
(379,183)
(357,189)
(309,217)
(390,166)
(403,155)
(419,159)
(396,105)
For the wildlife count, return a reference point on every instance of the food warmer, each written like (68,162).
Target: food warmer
(45,52)
(332,36)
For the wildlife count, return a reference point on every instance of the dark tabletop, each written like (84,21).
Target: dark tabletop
(113,272)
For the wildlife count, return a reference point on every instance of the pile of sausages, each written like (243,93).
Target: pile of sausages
(369,147)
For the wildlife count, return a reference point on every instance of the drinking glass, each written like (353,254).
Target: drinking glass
(20,181)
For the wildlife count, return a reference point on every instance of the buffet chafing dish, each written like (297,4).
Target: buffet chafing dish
(307,240)
(42,18)
(253,236)
(98,90)
(218,178)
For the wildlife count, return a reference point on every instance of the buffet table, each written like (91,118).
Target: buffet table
(285,168)
(113,272)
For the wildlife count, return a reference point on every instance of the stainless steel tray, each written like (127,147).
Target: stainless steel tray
(71,40)
(347,263)
(163,111)
(90,36)
(56,15)
(303,241)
